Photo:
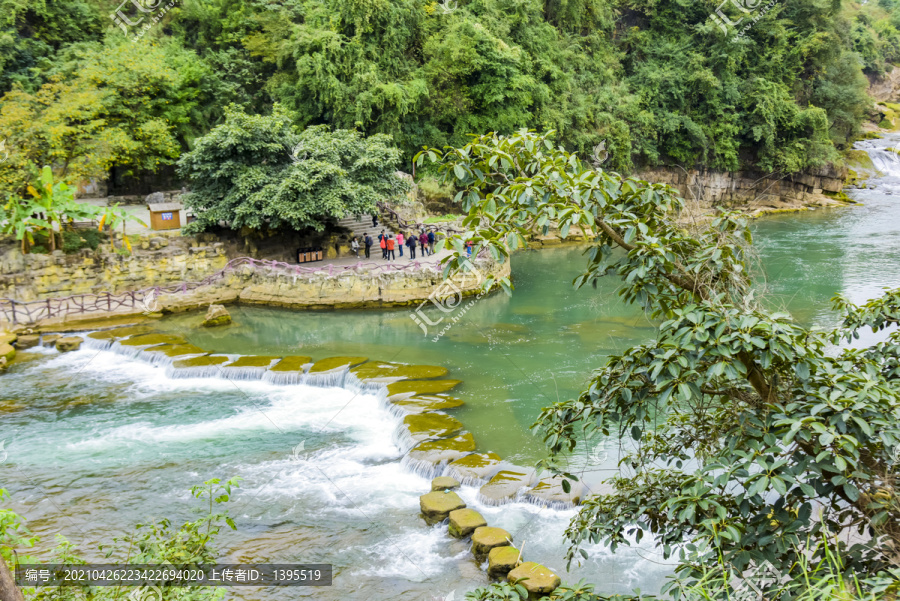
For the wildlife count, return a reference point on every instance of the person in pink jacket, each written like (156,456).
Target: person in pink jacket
(400,243)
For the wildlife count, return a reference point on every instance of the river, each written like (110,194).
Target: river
(97,442)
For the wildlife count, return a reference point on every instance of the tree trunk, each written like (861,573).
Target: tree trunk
(8,589)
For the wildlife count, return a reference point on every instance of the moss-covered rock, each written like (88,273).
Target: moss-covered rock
(153,340)
(537,579)
(216,315)
(292,363)
(486,538)
(7,352)
(379,369)
(502,560)
(335,363)
(463,522)
(69,343)
(477,467)
(28,341)
(420,387)
(177,350)
(436,506)
(549,491)
(50,339)
(444,483)
(436,452)
(423,426)
(423,403)
(252,361)
(123,332)
(204,361)
(8,338)
(505,485)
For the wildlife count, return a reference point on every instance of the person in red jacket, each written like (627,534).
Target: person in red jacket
(390,248)
(423,243)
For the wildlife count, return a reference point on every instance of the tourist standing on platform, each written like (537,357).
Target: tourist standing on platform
(367,240)
(411,243)
(382,242)
(423,242)
(390,248)
(430,242)
(400,243)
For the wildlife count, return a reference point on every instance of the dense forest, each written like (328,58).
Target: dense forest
(90,85)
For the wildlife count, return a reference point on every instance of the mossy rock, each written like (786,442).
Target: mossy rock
(253,361)
(423,403)
(502,560)
(538,580)
(486,538)
(436,452)
(379,369)
(477,466)
(444,483)
(204,361)
(505,485)
(177,350)
(50,339)
(292,363)
(153,340)
(8,338)
(122,332)
(7,352)
(436,506)
(28,341)
(423,426)
(335,363)
(69,343)
(420,387)
(550,491)
(463,522)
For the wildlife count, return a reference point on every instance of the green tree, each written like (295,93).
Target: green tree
(749,441)
(257,172)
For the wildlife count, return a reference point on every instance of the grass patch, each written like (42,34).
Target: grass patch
(443,218)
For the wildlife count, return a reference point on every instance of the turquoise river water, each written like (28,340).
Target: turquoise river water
(97,442)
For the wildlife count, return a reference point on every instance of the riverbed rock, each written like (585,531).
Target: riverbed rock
(424,403)
(380,370)
(486,538)
(292,363)
(426,456)
(424,426)
(252,361)
(7,338)
(539,579)
(69,343)
(7,352)
(177,350)
(505,486)
(123,332)
(204,361)
(501,560)
(549,493)
(444,483)
(436,506)
(28,341)
(216,315)
(332,363)
(408,388)
(463,522)
(152,340)
(476,469)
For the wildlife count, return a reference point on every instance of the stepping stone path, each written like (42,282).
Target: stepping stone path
(464,522)
(505,485)
(486,538)
(436,506)
(501,560)
(69,343)
(549,491)
(27,341)
(444,483)
(540,580)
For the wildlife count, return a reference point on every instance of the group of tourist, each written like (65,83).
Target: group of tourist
(389,243)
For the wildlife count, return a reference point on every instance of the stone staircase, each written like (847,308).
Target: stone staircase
(362,225)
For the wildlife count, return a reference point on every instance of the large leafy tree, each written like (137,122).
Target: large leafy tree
(257,172)
(752,437)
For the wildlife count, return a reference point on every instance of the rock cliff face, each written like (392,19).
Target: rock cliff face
(753,191)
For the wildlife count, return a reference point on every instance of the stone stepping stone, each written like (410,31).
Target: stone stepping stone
(505,486)
(407,388)
(436,506)
(152,340)
(424,426)
(333,363)
(122,332)
(69,343)
(540,580)
(486,538)
(205,361)
(549,493)
(292,363)
(501,560)
(444,483)
(464,522)
(252,361)
(50,339)
(177,350)
(426,456)
(380,370)
(423,403)
(476,469)
(28,341)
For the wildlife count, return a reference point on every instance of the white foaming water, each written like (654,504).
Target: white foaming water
(415,554)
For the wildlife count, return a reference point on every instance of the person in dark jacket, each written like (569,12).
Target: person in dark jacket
(367,241)
(423,242)
(374,221)
(411,243)
(431,242)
